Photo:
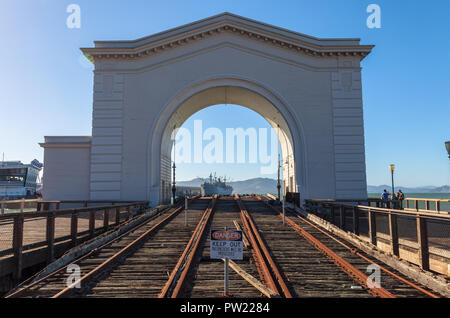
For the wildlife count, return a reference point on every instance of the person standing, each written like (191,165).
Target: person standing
(385,198)
(400,198)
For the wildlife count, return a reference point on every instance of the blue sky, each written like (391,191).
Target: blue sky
(46,86)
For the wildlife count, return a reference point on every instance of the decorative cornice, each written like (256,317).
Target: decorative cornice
(262,35)
(66,142)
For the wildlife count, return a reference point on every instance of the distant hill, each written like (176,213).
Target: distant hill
(268,185)
(255,185)
(424,189)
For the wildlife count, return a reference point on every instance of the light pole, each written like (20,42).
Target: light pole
(278,181)
(392,168)
(174,189)
(447,146)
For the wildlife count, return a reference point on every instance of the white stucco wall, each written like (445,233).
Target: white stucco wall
(140,86)
(66,168)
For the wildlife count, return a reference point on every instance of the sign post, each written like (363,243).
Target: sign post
(226,278)
(284,218)
(185,211)
(226,244)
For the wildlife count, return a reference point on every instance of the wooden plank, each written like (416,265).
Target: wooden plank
(74,228)
(356,220)
(393,232)
(342,217)
(332,214)
(106,219)
(422,240)
(92,223)
(252,280)
(117,216)
(372,227)
(244,237)
(18,247)
(128,213)
(50,235)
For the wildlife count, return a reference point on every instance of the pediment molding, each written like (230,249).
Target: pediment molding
(226,23)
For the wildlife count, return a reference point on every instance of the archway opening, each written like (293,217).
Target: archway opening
(201,145)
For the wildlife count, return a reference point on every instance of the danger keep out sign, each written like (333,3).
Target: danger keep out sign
(226,244)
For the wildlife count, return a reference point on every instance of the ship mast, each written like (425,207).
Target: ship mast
(174,189)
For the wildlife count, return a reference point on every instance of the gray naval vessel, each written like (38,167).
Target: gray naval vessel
(215,186)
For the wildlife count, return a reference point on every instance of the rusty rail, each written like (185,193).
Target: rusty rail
(123,252)
(122,211)
(421,218)
(266,261)
(30,282)
(356,252)
(177,278)
(344,265)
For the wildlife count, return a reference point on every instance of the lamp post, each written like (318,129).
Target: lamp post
(447,146)
(278,181)
(174,189)
(392,168)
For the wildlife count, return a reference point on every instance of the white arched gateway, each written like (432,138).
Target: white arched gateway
(308,87)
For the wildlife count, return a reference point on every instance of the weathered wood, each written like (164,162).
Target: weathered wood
(117,216)
(106,219)
(342,217)
(74,228)
(50,234)
(393,232)
(128,213)
(92,223)
(356,220)
(422,240)
(372,227)
(252,280)
(244,237)
(18,246)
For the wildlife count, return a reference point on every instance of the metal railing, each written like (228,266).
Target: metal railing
(95,219)
(422,233)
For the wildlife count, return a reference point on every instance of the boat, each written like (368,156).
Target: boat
(215,186)
(18,180)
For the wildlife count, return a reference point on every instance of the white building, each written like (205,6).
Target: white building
(18,180)
(308,87)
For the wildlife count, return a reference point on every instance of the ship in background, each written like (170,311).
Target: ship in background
(215,186)
(18,180)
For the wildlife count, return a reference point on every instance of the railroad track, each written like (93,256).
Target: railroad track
(165,258)
(137,264)
(207,278)
(325,276)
